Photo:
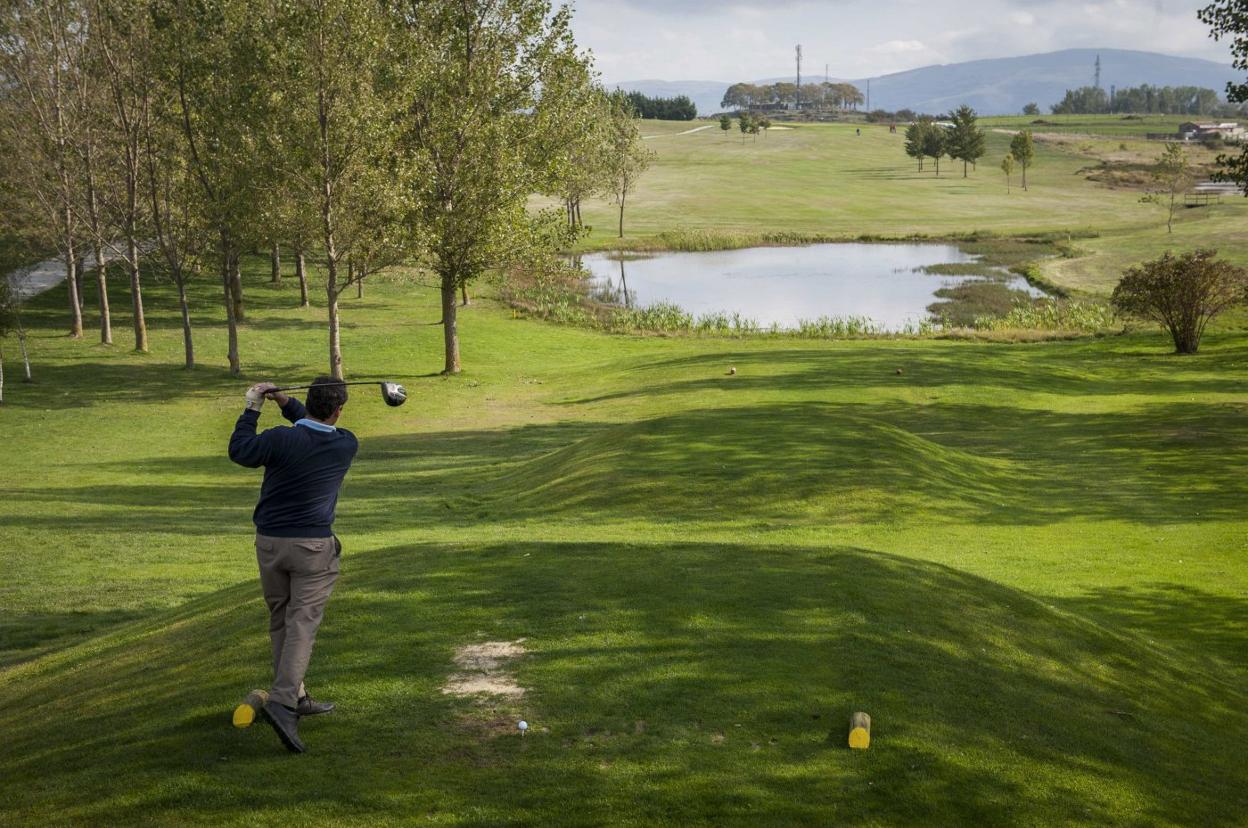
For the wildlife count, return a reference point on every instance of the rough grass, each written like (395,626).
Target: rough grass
(1022,560)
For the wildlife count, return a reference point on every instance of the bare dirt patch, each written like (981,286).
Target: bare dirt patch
(483,670)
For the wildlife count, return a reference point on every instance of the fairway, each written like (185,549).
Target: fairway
(1025,562)
(827,181)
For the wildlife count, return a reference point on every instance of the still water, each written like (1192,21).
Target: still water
(781,285)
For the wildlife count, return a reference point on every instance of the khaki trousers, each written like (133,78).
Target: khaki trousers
(297,576)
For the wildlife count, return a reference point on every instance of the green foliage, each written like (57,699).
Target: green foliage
(1052,314)
(916,146)
(1023,149)
(679,108)
(1172,174)
(966,142)
(1031,109)
(1007,167)
(935,143)
(1182,293)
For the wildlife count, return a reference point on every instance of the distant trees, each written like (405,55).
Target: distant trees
(679,108)
(1144,99)
(935,144)
(1182,293)
(965,140)
(1085,100)
(1023,150)
(915,144)
(1172,175)
(1031,109)
(826,96)
(744,122)
(1229,19)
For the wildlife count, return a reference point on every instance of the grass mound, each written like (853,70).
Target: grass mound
(773,464)
(664,683)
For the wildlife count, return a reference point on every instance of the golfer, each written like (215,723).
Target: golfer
(295,544)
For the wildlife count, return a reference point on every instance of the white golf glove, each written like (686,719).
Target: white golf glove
(255,396)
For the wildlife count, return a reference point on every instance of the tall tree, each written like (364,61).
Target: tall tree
(1024,151)
(915,141)
(215,55)
(935,144)
(474,125)
(337,140)
(179,231)
(966,140)
(122,37)
(1229,19)
(42,60)
(628,157)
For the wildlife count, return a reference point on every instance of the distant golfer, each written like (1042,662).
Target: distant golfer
(295,544)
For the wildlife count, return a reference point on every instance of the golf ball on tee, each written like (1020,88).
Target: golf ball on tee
(523,725)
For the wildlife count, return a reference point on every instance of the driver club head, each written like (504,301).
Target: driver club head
(393,393)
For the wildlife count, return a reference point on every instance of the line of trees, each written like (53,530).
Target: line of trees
(812,95)
(1145,99)
(171,138)
(960,139)
(679,108)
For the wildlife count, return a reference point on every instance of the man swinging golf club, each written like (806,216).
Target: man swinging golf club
(298,553)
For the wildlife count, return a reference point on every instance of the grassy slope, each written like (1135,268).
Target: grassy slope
(1025,562)
(828,180)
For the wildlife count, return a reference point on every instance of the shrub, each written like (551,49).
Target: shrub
(1182,293)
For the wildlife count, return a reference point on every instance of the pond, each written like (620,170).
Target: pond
(890,284)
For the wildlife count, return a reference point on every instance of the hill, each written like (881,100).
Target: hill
(996,86)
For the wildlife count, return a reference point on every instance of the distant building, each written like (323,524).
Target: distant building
(1227,131)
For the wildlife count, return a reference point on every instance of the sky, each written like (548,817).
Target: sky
(727,40)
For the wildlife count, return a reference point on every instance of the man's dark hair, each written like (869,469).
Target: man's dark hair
(325,395)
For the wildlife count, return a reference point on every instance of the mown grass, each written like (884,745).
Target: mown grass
(1024,561)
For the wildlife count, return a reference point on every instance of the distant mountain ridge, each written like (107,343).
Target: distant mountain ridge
(994,86)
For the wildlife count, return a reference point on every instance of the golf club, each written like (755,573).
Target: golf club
(393,393)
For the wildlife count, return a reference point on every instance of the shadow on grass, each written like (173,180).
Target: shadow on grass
(684,683)
(780,464)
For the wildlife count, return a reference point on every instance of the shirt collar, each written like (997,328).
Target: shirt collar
(315,425)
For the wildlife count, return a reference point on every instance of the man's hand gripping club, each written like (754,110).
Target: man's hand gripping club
(258,393)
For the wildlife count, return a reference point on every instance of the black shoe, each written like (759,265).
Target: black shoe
(307,707)
(285,723)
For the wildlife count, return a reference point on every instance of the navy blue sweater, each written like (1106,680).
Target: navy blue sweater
(303,468)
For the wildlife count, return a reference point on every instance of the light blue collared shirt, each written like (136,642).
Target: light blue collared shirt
(315,425)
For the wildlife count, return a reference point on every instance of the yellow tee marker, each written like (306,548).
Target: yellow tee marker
(247,712)
(860,731)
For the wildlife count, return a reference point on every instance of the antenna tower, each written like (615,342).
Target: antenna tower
(799,76)
(1097,79)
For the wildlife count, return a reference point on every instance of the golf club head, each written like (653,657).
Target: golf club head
(393,393)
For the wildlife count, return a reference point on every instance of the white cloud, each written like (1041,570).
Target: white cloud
(733,40)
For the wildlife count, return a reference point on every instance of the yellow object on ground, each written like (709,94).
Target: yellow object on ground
(250,708)
(860,731)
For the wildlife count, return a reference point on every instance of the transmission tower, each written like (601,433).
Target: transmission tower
(799,77)
(1096,81)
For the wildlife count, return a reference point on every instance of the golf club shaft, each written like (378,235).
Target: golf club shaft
(301,387)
